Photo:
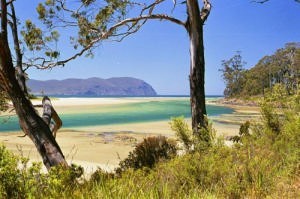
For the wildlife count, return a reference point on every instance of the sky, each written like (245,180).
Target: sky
(159,52)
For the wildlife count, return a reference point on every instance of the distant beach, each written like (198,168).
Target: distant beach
(104,145)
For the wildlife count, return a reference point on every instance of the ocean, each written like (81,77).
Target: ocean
(144,111)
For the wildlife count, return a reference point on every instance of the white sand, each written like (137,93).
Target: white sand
(86,145)
(73,101)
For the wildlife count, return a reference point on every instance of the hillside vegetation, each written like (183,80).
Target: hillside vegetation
(264,162)
(282,68)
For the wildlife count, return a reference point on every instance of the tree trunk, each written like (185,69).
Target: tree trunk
(20,74)
(197,66)
(30,122)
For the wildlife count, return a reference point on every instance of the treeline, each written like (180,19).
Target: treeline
(282,68)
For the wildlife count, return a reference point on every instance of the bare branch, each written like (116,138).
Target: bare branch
(175,3)
(151,7)
(205,11)
(10,2)
(261,1)
(153,16)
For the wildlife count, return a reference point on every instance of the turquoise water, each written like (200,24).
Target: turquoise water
(123,113)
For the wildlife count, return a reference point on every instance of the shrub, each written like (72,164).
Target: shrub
(205,137)
(182,132)
(148,153)
(192,142)
(243,132)
(101,175)
(17,179)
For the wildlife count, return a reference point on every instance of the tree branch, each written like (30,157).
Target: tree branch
(3,18)
(151,7)
(152,16)
(261,1)
(20,75)
(205,11)
(10,2)
(105,35)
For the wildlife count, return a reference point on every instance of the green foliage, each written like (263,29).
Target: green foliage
(19,179)
(92,18)
(182,132)
(148,153)
(244,132)
(32,36)
(233,75)
(283,67)
(204,137)
(99,176)
(41,10)
(192,142)
(36,40)
(255,168)
(54,54)
(63,180)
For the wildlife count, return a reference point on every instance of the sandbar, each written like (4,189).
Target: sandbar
(104,146)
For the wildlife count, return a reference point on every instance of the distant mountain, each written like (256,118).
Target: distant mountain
(119,86)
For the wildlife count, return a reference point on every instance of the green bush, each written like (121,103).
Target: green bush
(244,132)
(192,142)
(148,153)
(17,179)
(182,132)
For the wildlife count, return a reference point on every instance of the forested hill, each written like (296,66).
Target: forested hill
(279,69)
(120,86)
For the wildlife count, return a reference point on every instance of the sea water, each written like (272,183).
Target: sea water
(145,111)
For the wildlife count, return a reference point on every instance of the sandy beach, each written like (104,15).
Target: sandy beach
(104,146)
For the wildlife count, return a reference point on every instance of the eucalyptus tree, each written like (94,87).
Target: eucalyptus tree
(99,20)
(12,84)
(233,75)
(94,22)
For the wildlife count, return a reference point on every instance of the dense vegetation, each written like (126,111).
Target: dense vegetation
(283,68)
(263,163)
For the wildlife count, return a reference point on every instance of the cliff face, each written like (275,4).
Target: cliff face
(119,86)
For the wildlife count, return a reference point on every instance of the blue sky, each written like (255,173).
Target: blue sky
(159,52)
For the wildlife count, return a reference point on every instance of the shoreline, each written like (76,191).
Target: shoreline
(237,104)
(104,146)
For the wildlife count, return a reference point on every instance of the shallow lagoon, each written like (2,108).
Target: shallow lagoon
(112,114)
